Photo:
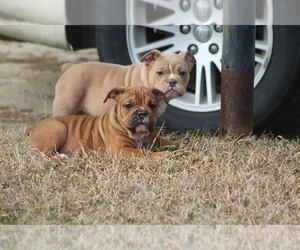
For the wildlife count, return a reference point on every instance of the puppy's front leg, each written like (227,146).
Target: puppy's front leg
(161,141)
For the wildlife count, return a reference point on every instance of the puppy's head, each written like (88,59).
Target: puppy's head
(137,109)
(169,72)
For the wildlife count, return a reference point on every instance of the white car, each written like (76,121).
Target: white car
(124,30)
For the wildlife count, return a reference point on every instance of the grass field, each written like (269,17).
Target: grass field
(208,181)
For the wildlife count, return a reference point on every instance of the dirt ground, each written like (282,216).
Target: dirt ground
(28,74)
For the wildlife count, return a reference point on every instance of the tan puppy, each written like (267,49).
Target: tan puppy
(82,87)
(124,129)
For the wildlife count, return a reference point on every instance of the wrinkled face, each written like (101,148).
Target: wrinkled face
(138,110)
(171,76)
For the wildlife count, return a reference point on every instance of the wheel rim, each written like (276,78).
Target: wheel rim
(162,31)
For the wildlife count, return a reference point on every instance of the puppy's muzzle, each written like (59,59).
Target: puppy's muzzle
(173,86)
(142,116)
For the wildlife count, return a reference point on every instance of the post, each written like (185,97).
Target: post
(237,76)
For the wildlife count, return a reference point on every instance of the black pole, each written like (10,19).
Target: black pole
(237,80)
(237,76)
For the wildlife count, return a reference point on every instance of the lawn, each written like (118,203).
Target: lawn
(208,181)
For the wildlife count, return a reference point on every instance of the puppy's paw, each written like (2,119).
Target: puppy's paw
(164,142)
(177,143)
(163,154)
(168,154)
(173,145)
(63,156)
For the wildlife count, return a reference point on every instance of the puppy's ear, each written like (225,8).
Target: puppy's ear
(160,95)
(188,56)
(150,57)
(114,93)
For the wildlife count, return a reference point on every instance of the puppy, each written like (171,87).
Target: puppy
(128,128)
(81,87)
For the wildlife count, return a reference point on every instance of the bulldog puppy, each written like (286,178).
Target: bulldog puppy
(128,128)
(81,87)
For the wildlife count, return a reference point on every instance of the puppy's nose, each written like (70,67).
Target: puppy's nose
(142,114)
(172,84)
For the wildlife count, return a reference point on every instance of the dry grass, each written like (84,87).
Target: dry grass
(208,181)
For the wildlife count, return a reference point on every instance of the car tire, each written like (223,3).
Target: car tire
(274,97)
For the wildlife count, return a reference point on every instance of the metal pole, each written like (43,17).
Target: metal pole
(237,76)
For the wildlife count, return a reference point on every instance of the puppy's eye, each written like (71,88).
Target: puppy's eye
(182,73)
(160,73)
(152,106)
(128,106)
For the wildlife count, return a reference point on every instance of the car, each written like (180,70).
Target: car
(123,31)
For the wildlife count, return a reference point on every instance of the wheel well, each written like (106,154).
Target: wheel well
(81,36)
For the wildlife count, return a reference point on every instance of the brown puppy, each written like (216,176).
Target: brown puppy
(81,87)
(125,129)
